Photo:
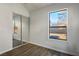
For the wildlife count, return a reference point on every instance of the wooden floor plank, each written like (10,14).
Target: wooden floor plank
(33,50)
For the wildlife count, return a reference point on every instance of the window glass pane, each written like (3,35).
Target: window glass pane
(58,21)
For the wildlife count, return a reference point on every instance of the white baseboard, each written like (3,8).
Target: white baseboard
(71,53)
(5,51)
(11,49)
(42,46)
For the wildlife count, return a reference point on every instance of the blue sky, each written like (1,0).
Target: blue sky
(54,18)
(55,15)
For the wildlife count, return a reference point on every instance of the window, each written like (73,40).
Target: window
(58,21)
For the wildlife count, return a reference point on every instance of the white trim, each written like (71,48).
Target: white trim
(63,51)
(67,20)
(12,48)
(57,10)
(42,46)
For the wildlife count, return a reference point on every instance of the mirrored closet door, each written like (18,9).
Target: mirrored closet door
(20,30)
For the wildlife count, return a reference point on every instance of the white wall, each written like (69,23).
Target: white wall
(6,25)
(39,29)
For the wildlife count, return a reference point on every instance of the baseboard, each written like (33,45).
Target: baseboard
(74,54)
(11,49)
(42,46)
(5,51)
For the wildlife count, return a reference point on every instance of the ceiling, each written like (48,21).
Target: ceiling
(35,6)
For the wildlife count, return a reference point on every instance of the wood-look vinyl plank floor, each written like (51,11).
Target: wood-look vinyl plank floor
(33,50)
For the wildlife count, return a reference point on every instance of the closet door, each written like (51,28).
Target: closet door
(24,29)
(17,34)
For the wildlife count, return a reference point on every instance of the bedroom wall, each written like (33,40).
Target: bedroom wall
(39,29)
(6,24)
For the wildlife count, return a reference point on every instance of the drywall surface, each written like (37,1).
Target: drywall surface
(39,29)
(6,24)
